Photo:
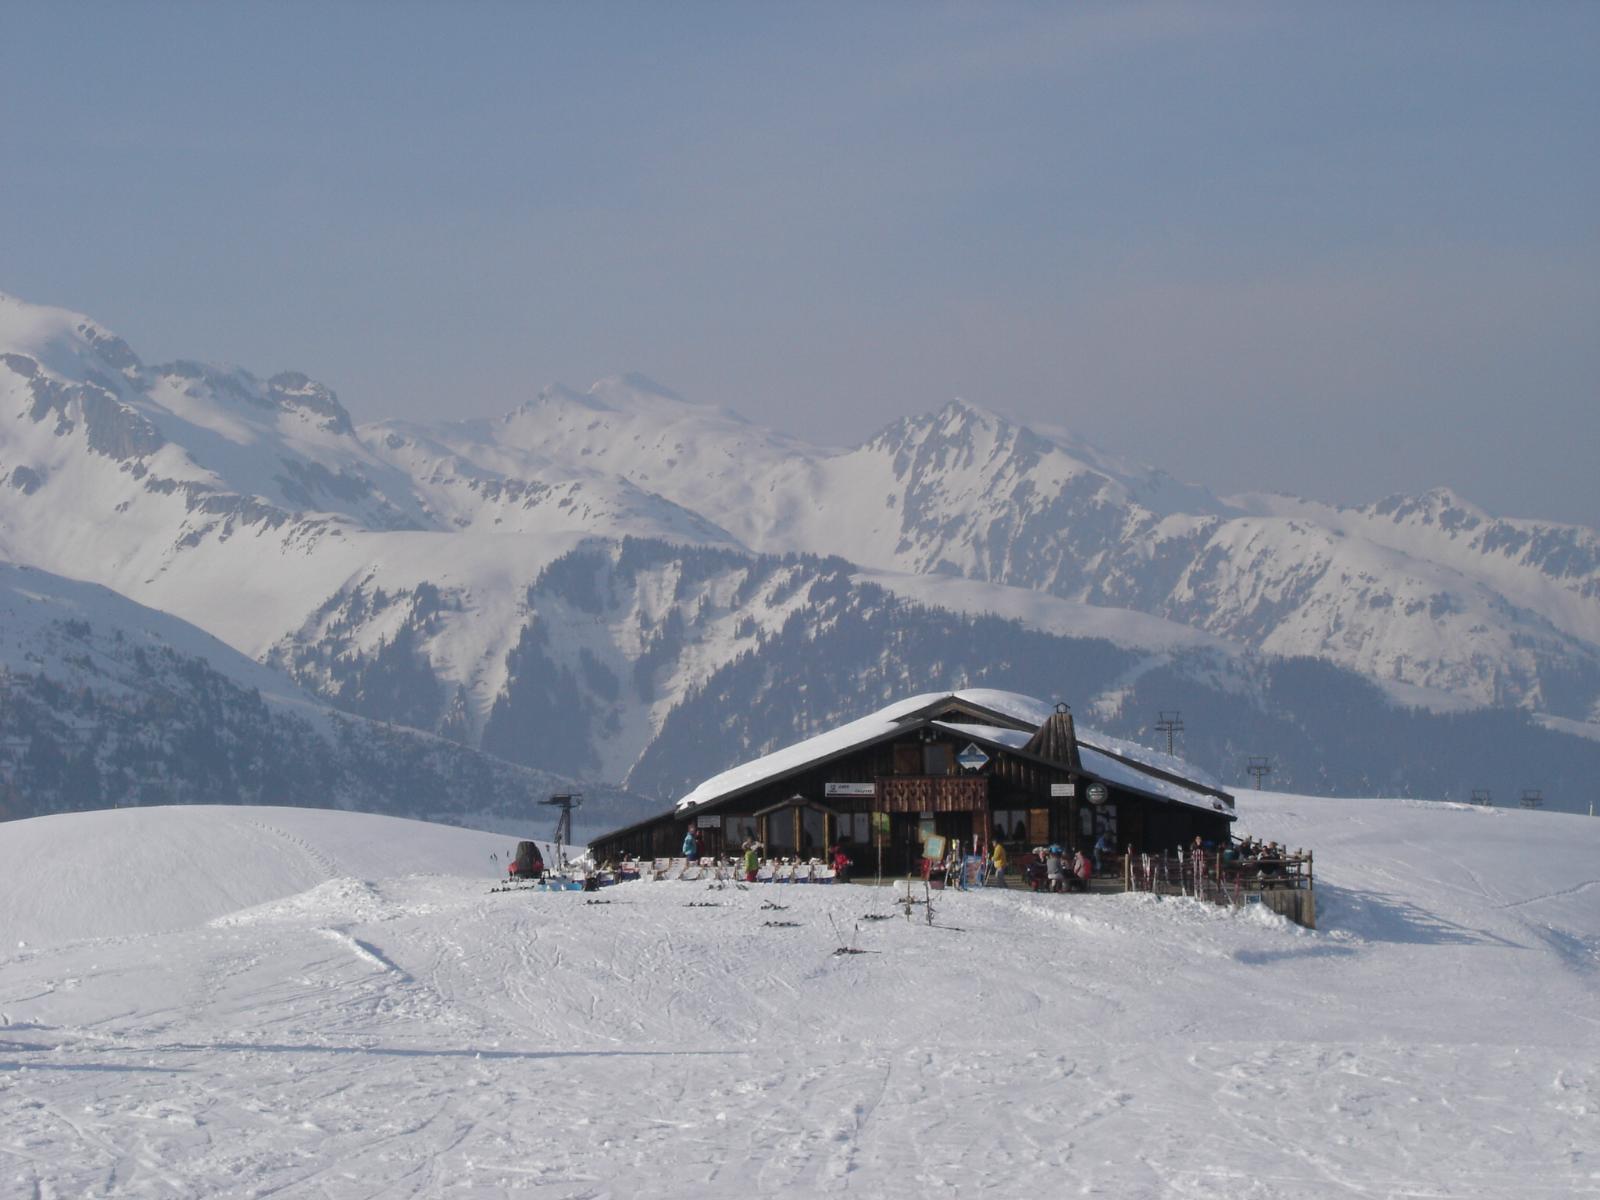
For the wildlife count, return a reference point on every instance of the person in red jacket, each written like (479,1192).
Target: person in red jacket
(1082,871)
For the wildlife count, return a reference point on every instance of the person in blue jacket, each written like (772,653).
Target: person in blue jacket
(691,846)
(1104,846)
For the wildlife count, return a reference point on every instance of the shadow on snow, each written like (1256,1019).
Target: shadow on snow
(1381,917)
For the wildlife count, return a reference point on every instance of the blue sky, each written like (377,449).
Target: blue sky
(1342,250)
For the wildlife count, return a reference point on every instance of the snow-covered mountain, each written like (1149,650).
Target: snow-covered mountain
(1426,592)
(187,486)
(104,702)
(567,585)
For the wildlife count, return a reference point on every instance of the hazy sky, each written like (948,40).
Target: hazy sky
(1335,249)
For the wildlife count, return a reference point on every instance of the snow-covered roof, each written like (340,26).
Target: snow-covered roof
(1103,756)
(1125,775)
(1105,762)
(1013,739)
(1010,704)
(858,733)
(1144,756)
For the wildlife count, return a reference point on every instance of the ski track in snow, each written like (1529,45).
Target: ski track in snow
(419,1036)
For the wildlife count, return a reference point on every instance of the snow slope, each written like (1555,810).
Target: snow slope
(241,504)
(197,488)
(1425,591)
(132,871)
(48,623)
(379,1032)
(107,703)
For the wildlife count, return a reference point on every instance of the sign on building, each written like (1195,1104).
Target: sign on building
(972,758)
(849,789)
(1096,793)
(1064,789)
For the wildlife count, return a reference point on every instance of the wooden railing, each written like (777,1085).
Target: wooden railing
(932,793)
(1284,881)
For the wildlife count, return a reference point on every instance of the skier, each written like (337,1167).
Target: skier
(997,862)
(691,846)
(752,860)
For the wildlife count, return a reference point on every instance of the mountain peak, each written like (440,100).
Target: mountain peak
(962,412)
(58,335)
(294,390)
(1440,506)
(963,427)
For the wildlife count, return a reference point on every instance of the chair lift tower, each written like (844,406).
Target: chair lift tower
(566,803)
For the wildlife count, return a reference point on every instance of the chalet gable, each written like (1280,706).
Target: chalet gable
(954,709)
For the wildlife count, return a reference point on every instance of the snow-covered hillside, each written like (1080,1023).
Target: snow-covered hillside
(105,702)
(1398,592)
(564,584)
(271,1002)
(129,872)
(1427,591)
(191,487)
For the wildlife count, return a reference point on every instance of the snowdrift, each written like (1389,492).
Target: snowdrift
(131,871)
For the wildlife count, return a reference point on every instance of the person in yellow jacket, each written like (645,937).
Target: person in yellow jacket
(997,865)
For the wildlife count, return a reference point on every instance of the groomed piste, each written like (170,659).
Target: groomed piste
(289,1002)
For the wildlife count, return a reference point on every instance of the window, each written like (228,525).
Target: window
(780,832)
(936,759)
(1009,824)
(811,832)
(736,829)
(907,759)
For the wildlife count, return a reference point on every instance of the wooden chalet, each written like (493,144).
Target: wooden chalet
(976,765)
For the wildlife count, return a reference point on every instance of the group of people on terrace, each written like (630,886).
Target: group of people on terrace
(1248,863)
(1266,862)
(748,861)
(1043,868)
